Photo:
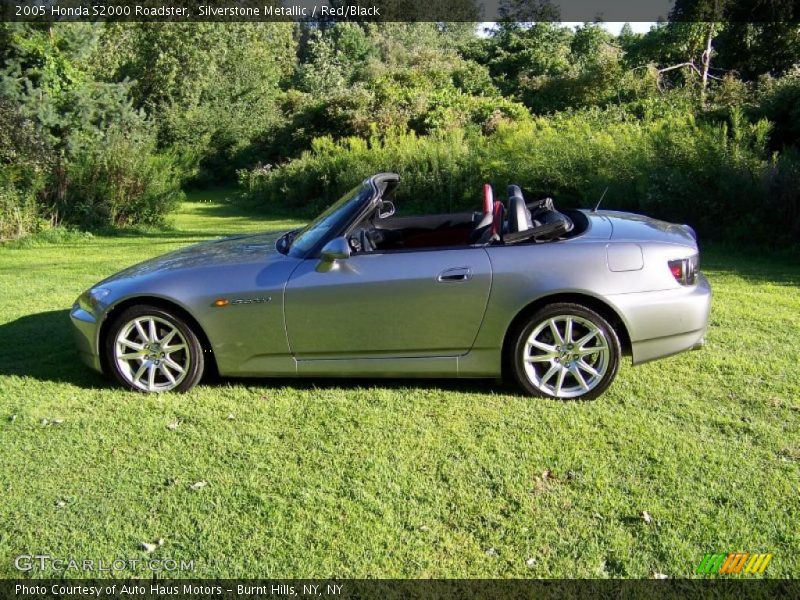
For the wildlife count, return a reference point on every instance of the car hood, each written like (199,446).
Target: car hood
(228,251)
(639,228)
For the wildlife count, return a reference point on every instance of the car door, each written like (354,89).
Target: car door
(388,304)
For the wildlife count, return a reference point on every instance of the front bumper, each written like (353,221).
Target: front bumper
(666,322)
(85,331)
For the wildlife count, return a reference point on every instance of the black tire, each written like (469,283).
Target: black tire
(192,360)
(605,362)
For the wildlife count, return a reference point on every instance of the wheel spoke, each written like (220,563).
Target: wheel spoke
(163,368)
(130,344)
(588,368)
(585,339)
(173,365)
(588,351)
(171,349)
(151,377)
(539,358)
(568,330)
(168,338)
(579,378)
(550,372)
(542,346)
(140,372)
(556,333)
(153,332)
(560,381)
(132,356)
(141,331)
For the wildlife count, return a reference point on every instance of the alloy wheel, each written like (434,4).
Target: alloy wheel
(152,354)
(566,356)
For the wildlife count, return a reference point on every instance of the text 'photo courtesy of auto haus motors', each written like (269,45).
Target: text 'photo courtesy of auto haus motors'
(553,299)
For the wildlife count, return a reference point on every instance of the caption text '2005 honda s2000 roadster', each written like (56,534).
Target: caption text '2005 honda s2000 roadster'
(554,299)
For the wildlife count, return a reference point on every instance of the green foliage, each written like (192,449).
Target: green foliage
(18,212)
(782,181)
(322,174)
(24,162)
(755,49)
(53,236)
(106,120)
(550,68)
(717,177)
(367,81)
(47,78)
(211,88)
(778,100)
(123,182)
(78,151)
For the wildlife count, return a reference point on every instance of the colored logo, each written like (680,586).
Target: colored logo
(733,563)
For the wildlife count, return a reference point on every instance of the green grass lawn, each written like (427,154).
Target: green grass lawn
(397,479)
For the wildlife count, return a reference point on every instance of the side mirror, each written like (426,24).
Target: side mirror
(336,249)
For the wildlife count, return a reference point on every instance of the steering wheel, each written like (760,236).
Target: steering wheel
(361,241)
(366,241)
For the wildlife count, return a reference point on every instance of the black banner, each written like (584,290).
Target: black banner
(399,10)
(31,589)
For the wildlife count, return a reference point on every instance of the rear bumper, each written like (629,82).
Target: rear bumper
(666,322)
(84,329)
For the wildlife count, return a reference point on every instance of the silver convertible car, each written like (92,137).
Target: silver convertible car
(552,298)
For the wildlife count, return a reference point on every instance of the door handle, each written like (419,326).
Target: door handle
(455,274)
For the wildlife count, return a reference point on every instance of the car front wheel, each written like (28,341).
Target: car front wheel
(149,349)
(566,351)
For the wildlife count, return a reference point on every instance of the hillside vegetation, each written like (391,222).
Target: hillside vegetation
(106,124)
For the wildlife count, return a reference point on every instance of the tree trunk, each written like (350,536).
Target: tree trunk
(706,61)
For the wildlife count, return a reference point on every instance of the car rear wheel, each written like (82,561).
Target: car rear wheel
(566,351)
(149,349)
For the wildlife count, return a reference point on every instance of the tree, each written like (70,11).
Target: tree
(211,88)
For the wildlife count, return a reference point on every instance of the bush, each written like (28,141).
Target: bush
(782,181)
(779,101)
(74,150)
(18,214)
(122,183)
(432,168)
(716,177)
(25,159)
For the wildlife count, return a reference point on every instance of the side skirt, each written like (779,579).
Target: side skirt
(437,366)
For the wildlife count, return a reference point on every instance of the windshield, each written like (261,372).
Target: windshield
(334,218)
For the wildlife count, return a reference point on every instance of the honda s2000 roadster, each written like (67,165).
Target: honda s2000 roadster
(552,298)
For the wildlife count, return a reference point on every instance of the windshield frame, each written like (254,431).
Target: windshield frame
(341,213)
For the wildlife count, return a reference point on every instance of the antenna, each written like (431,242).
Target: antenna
(596,206)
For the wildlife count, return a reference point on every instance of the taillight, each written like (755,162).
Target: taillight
(685,270)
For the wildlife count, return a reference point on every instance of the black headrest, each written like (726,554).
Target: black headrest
(519,217)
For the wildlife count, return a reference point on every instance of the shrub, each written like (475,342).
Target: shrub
(18,214)
(714,176)
(782,182)
(74,150)
(122,183)
(25,159)
(432,168)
